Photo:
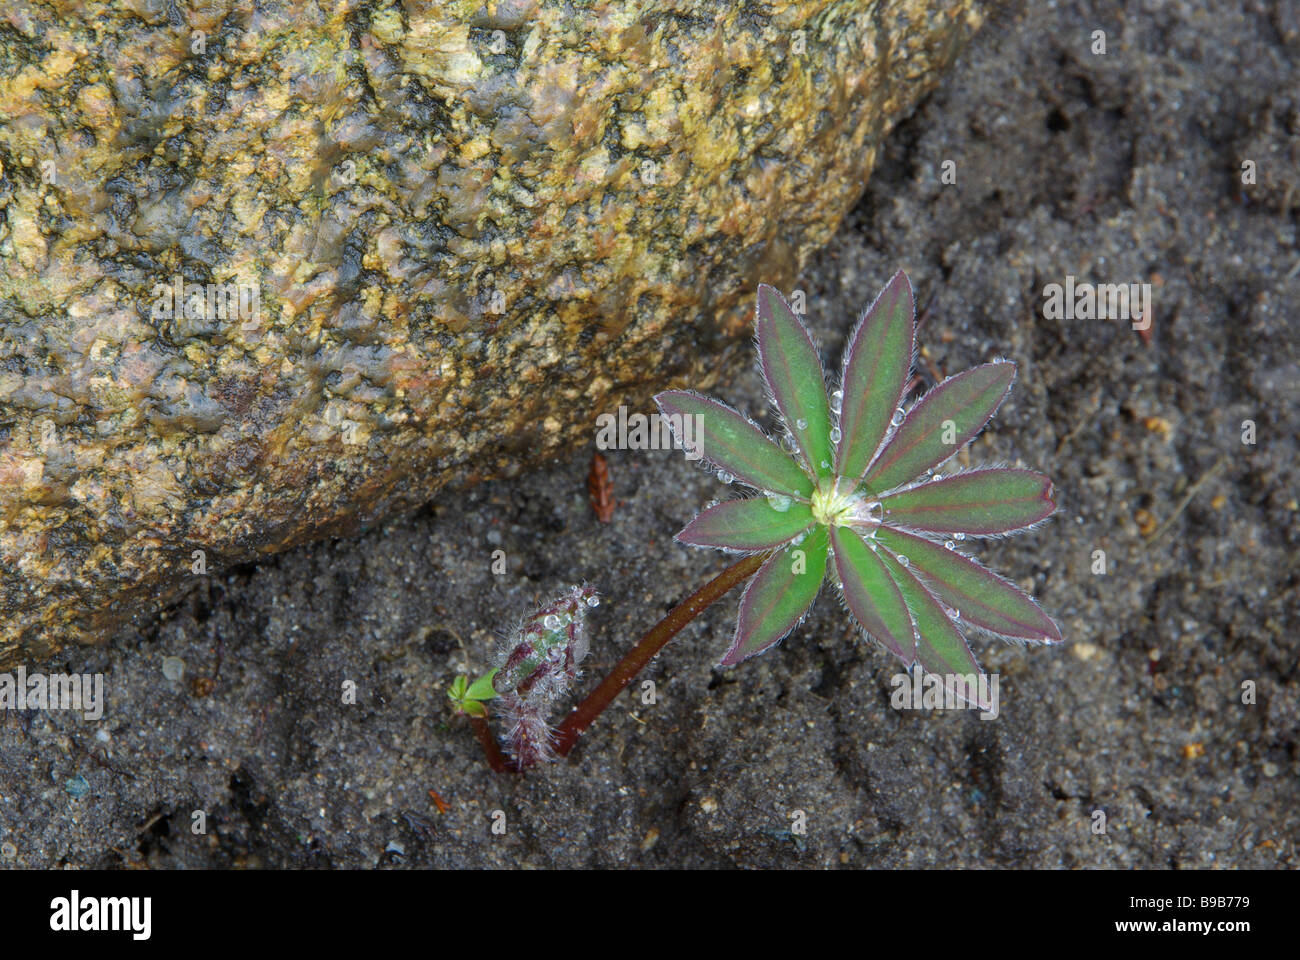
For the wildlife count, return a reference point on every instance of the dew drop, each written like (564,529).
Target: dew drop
(959,536)
(826,464)
(836,434)
(779,503)
(725,477)
(937,476)
(837,401)
(949,545)
(903,561)
(801,424)
(799,539)
(897,418)
(711,504)
(552,622)
(593,601)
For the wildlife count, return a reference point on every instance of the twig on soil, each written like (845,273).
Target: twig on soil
(1187,498)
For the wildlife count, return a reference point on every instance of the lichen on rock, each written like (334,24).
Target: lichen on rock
(467,229)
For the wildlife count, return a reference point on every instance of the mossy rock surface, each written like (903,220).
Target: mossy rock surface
(463,231)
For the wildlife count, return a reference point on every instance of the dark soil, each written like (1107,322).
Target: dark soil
(1116,168)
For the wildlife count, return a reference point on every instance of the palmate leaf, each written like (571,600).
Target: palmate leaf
(904,589)
(733,444)
(747,525)
(940,647)
(942,422)
(778,596)
(980,596)
(871,595)
(876,364)
(980,502)
(792,371)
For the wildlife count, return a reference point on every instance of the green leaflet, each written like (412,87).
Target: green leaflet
(876,363)
(982,597)
(753,524)
(942,422)
(793,372)
(778,596)
(871,594)
(940,647)
(735,445)
(981,502)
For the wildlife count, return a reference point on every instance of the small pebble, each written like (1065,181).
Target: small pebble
(77,786)
(1270,769)
(173,668)
(651,838)
(1146,522)
(709,805)
(8,851)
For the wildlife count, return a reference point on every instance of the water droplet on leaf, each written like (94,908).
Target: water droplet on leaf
(779,503)
(837,401)
(801,424)
(897,418)
(835,434)
(903,561)
(552,622)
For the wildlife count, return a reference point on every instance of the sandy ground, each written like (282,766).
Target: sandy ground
(1116,168)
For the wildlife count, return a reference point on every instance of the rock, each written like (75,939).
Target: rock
(272,274)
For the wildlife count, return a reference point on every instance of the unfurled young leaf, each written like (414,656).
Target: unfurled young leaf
(856,503)
(537,665)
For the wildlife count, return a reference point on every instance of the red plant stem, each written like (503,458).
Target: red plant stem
(491,750)
(568,732)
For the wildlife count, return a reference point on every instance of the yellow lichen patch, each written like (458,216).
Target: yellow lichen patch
(466,223)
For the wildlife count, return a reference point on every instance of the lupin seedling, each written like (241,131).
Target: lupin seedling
(855,496)
(471,698)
